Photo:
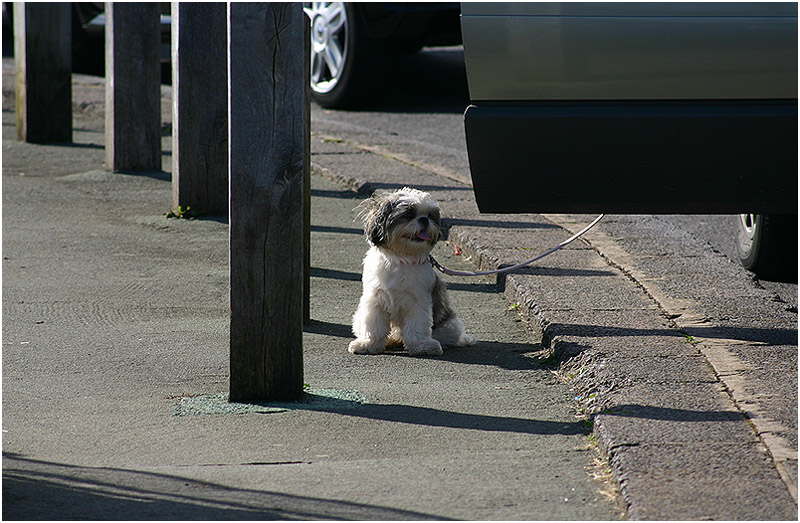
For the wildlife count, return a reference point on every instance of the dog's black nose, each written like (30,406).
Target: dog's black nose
(423,220)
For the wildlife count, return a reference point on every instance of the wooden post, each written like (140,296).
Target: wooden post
(267,141)
(43,60)
(133,86)
(200,107)
(307,176)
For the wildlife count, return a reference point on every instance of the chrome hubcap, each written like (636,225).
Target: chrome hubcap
(748,225)
(328,44)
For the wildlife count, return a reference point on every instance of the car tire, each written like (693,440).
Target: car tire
(344,60)
(767,245)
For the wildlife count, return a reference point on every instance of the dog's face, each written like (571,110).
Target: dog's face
(406,221)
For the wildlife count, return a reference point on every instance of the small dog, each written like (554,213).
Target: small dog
(405,300)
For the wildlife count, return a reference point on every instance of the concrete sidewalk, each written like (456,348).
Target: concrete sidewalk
(115,354)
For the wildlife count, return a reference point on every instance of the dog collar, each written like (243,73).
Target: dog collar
(413,261)
(406,260)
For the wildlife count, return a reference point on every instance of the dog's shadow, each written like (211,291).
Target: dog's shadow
(505,355)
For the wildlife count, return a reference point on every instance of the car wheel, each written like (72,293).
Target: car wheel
(343,58)
(767,245)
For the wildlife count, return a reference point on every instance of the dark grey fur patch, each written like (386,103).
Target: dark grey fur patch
(376,222)
(442,310)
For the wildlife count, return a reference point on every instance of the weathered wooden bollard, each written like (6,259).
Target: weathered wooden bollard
(200,107)
(133,86)
(43,61)
(267,149)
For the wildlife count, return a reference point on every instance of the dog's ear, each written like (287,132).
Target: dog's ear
(376,221)
(436,216)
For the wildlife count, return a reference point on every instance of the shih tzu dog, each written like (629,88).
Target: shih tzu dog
(404,302)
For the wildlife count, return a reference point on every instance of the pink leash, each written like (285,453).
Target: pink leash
(566,242)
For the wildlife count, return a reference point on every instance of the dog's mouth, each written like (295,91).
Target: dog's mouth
(421,236)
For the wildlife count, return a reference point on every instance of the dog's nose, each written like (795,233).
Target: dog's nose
(423,220)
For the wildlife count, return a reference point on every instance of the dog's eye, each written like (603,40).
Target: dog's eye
(435,216)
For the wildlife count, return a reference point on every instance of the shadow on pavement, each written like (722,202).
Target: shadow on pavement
(744,334)
(34,489)
(667,414)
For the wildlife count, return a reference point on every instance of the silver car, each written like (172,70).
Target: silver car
(638,108)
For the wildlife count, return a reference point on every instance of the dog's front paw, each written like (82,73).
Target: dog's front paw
(467,340)
(425,348)
(362,346)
